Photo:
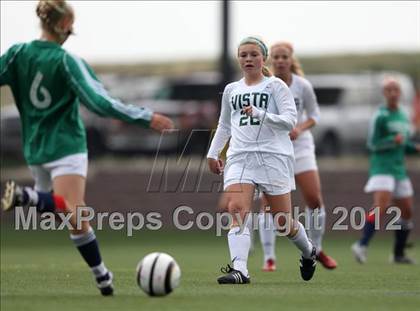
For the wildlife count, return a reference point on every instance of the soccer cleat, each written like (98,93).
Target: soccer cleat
(359,252)
(308,265)
(12,196)
(104,283)
(269,265)
(232,276)
(402,260)
(327,261)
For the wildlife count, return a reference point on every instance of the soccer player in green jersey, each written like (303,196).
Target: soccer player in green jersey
(388,143)
(48,85)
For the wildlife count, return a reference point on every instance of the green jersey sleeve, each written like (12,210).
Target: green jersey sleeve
(93,95)
(6,70)
(377,141)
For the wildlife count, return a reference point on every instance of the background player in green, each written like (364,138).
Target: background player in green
(388,143)
(48,85)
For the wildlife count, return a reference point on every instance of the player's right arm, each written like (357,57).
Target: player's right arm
(94,96)
(377,141)
(222,135)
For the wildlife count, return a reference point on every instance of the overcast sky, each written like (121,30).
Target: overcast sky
(124,31)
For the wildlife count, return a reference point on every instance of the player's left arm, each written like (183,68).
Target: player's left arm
(311,107)
(94,96)
(287,115)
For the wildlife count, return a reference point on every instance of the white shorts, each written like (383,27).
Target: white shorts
(305,163)
(75,164)
(399,188)
(270,173)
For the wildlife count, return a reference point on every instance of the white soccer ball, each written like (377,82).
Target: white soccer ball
(158,274)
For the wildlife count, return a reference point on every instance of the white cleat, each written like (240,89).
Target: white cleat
(12,196)
(359,252)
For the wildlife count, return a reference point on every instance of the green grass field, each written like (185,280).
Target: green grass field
(42,271)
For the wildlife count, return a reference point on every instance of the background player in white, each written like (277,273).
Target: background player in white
(286,67)
(257,114)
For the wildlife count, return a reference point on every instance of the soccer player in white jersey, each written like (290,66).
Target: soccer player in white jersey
(286,67)
(257,114)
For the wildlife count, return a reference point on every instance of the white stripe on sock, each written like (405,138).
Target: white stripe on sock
(99,270)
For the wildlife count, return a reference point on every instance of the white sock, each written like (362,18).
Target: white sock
(99,270)
(267,235)
(239,244)
(250,224)
(301,241)
(316,226)
(33,196)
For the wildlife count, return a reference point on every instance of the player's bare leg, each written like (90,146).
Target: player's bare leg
(72,188)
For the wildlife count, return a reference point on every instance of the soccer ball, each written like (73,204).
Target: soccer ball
(158,274)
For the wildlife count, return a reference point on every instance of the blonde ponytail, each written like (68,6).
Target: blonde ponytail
(266,71)
(51,12)
(296,67)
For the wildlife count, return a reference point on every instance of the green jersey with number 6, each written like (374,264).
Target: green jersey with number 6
(48,84)
(387,157)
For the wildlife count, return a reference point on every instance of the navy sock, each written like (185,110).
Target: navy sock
(368,232)
(26,200)
(89,249)
(45,202)
(401,237)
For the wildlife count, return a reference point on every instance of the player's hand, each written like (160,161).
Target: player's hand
(417,147)
(247,110)
(399,139)
(294,134)
(216,166)
(161,123)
